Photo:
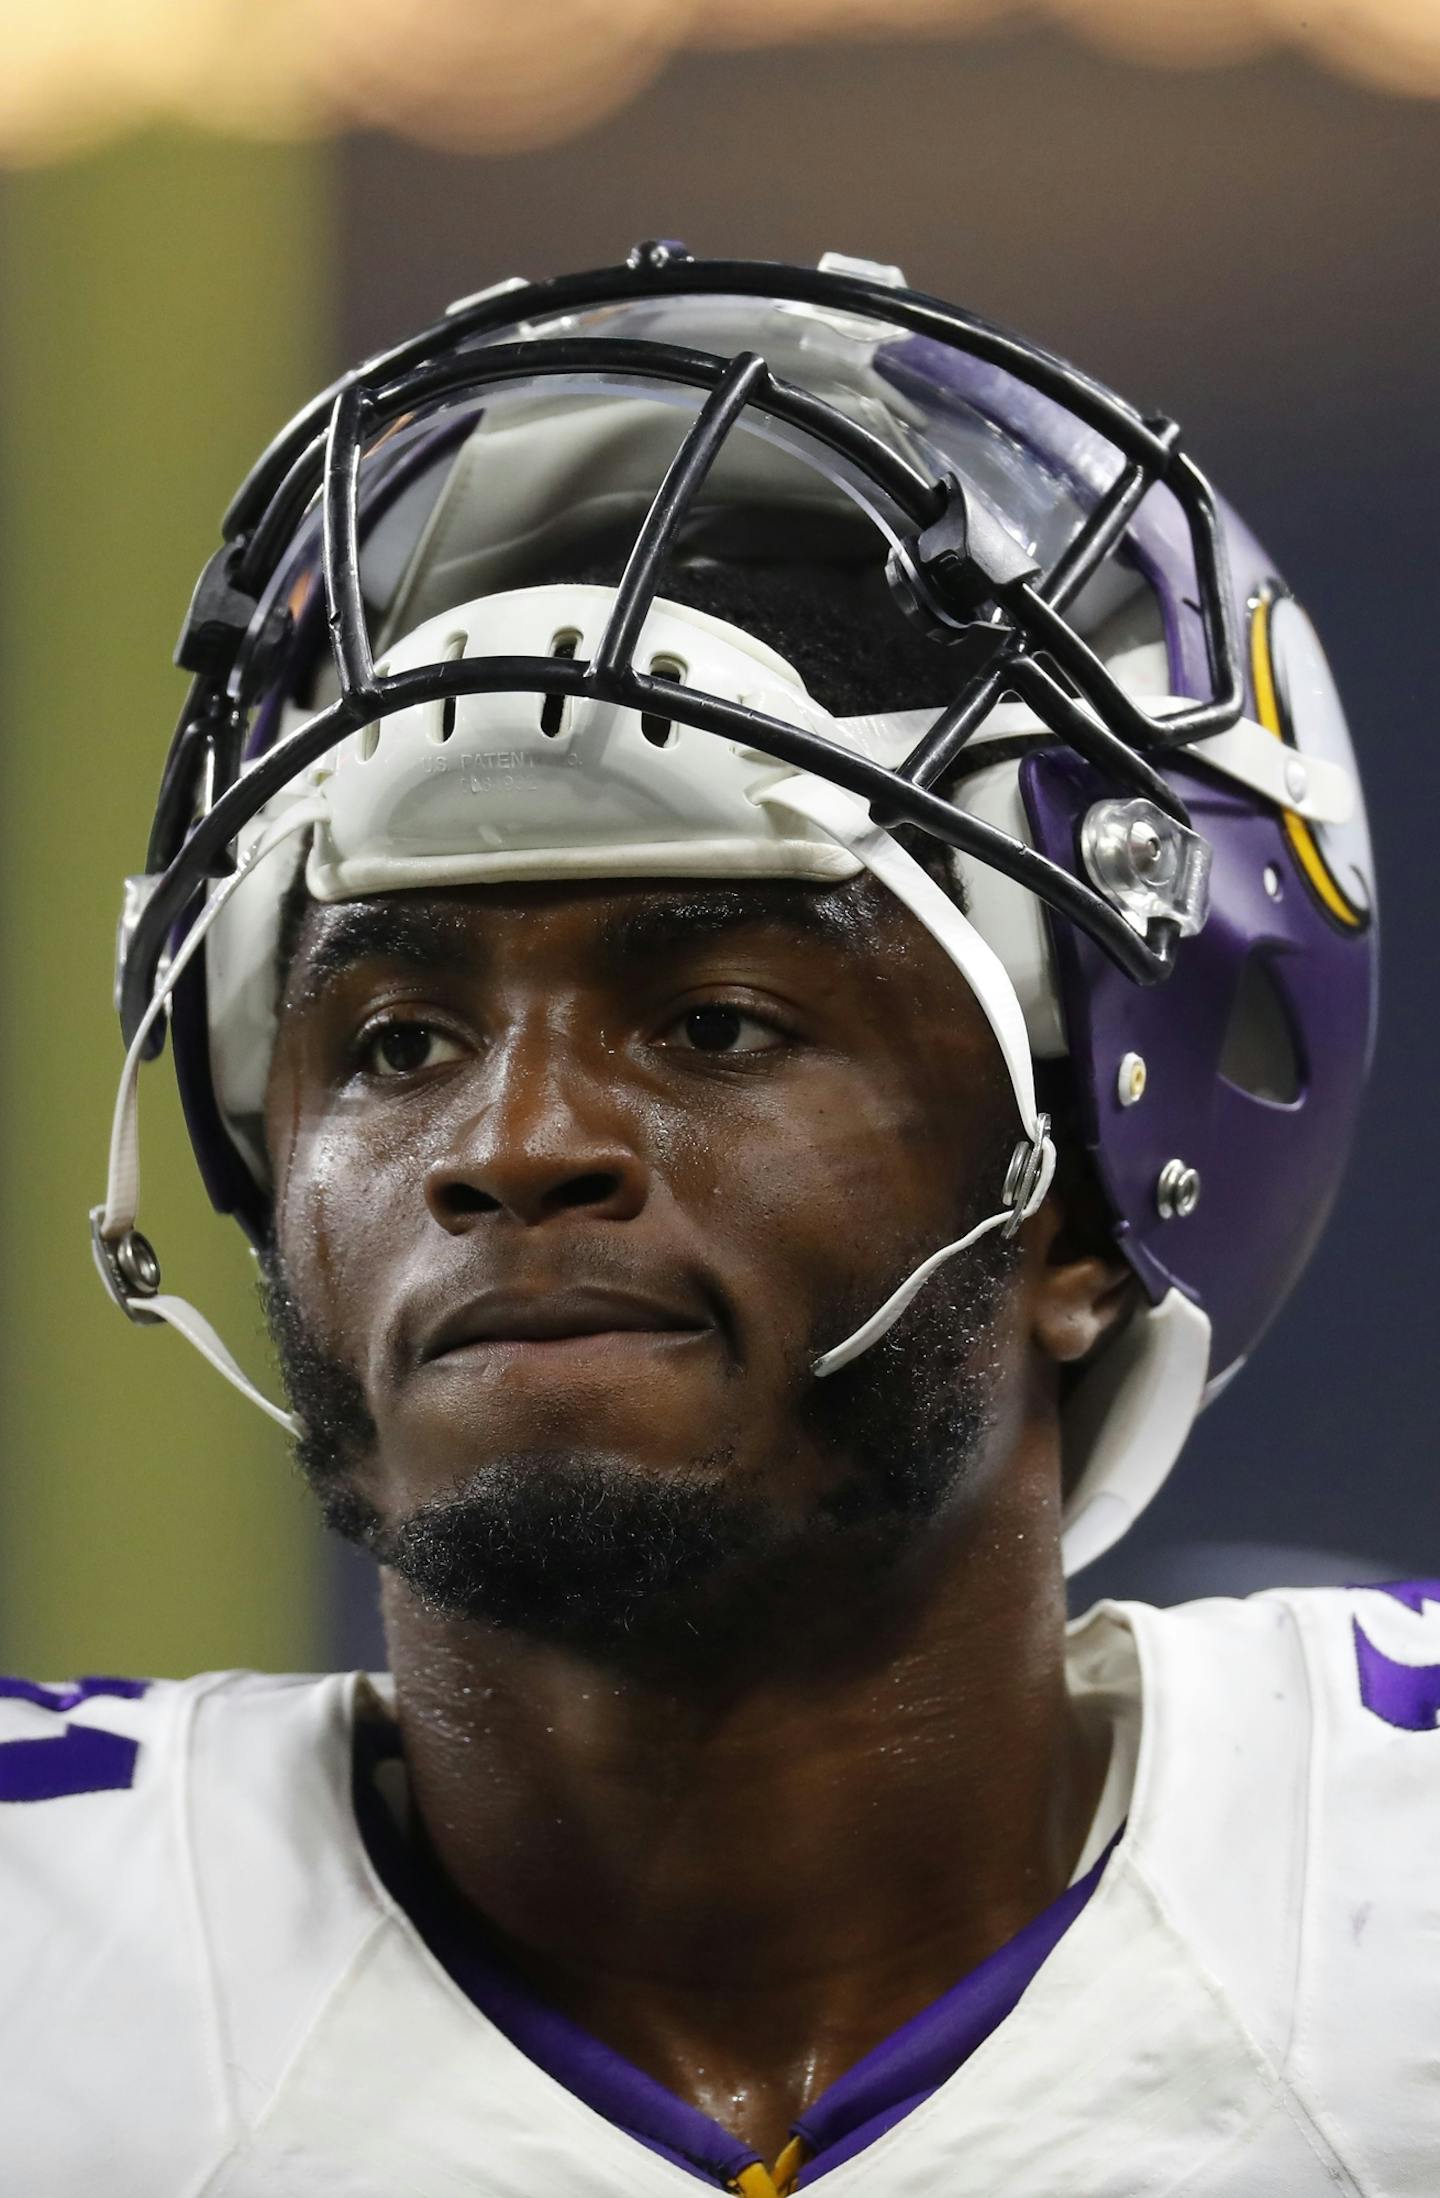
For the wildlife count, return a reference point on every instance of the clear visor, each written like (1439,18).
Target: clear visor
(551,477)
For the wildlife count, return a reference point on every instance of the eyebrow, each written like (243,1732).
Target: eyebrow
(671,925)
(386,929)
(436,935)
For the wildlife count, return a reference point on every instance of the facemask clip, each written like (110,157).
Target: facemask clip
(1147,865)
(951,573)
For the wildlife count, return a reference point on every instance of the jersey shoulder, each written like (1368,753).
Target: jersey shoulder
(1293,1802)
(1374,1653)
(57,1739)
(108,2059)
(85,1767)
(152,1866)
(1367,2031)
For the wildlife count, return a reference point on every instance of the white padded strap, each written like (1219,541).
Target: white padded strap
(122,1188)
(882,1321)
(196,1329)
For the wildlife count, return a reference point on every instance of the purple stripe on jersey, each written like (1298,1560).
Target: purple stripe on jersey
(78,1760)
(603,2079)
(1405,1695)
(912,2063)
(869,2099)
(71,1696)
(1414,1594)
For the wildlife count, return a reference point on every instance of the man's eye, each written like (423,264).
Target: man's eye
(719,1027)
(403,1049)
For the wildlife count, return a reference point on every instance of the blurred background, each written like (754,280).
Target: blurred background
(1227,208)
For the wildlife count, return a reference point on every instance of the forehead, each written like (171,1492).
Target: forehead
(608,925)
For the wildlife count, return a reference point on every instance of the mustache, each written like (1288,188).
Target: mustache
(603,1285)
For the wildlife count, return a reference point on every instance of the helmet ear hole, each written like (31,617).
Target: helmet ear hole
(1260,1056)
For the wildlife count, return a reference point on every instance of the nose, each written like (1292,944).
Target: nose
(544,1143)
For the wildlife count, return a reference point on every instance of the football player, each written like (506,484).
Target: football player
(763,910)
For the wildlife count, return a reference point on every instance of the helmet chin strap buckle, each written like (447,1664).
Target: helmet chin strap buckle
(128,1268)
(1027,1178)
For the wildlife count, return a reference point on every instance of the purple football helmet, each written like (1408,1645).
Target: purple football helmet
(437,647)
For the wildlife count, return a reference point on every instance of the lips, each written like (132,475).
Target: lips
(550,1316)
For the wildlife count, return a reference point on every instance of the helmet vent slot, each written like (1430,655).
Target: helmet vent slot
(369,740)
(660,731)
(553,708)
(1260,1056)
(455,646)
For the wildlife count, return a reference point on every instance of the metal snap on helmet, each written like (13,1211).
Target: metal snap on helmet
(436,647)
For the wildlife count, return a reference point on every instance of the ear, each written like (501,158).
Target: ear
(1078,1294)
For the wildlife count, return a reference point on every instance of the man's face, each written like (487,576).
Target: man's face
(574,1183)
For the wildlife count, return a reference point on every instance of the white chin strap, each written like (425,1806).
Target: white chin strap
(1032,1164)
(883,1320)
(127,1263)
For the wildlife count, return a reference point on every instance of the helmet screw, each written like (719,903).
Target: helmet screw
(1297,779)
(653,254)
(1273,885)
(1177,1190)
(1145,847)
(1130,1082)
(136,1263)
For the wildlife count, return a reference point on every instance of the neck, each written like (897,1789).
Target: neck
(744,1886)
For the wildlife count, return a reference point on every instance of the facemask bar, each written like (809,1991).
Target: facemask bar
(931,526)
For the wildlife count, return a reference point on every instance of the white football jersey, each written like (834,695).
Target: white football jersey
(206,1990)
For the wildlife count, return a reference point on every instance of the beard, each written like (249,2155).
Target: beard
(579,1547)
